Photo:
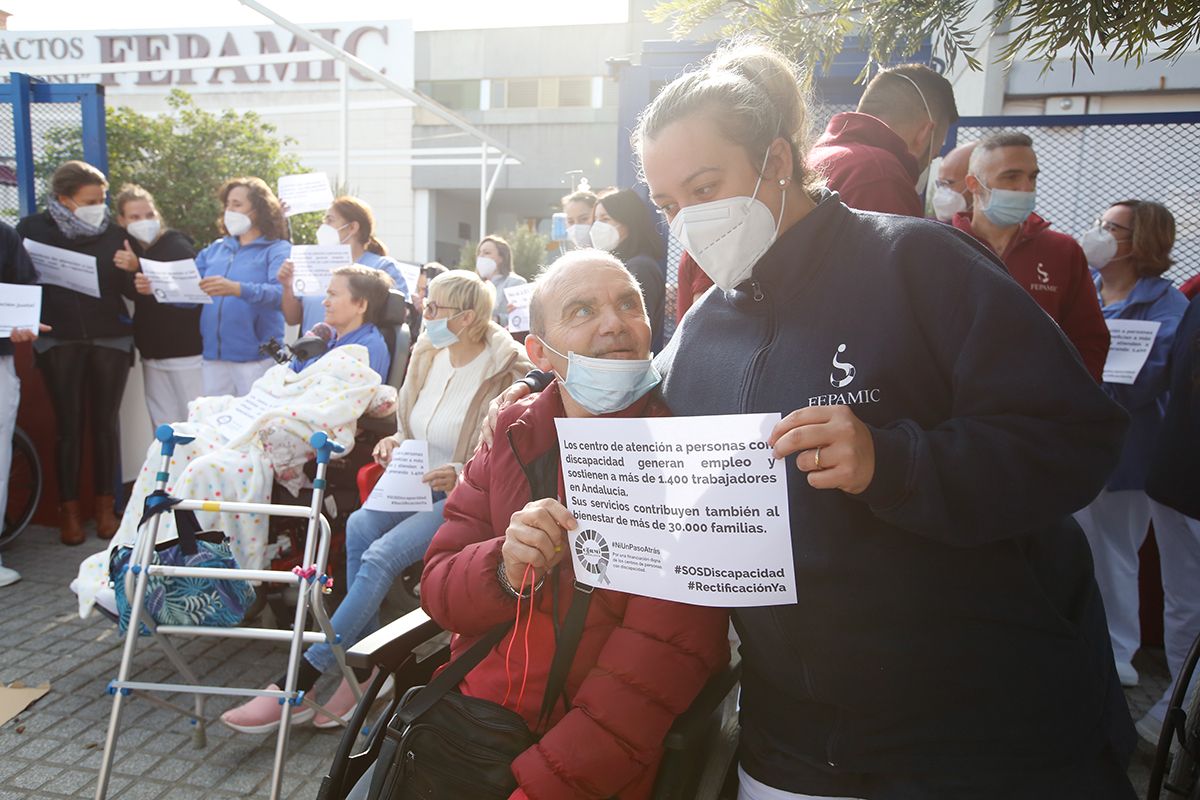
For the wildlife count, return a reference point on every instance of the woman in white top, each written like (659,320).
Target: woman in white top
(460,362)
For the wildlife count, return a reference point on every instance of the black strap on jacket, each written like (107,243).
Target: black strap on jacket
(456,670)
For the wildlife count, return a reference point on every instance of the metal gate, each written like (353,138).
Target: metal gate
(36,109)
(1089,161)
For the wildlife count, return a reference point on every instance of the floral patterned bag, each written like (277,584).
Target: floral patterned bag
(173,600)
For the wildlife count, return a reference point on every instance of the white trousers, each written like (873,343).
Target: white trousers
(232,377)
(171,383)
(751,789)
(1116,524)
(10,401)
(1178,539)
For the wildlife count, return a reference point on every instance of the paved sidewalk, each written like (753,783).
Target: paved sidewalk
(53,749)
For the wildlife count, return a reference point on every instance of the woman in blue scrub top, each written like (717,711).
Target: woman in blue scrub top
(348,221)
(354,301)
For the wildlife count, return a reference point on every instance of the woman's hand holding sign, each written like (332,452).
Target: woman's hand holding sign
(835,447)
(537,537)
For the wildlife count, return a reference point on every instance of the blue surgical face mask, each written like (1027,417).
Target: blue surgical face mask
(439,333)
(607,385)
(1006,207)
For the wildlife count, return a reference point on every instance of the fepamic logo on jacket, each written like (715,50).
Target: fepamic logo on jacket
(843,374)
(1043,282)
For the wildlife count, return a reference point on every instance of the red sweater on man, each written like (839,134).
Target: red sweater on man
(868,165)
(1051,266)
(692,281)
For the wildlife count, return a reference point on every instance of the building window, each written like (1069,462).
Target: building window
(574,92)
(546,93)
(521,93)
(458,95)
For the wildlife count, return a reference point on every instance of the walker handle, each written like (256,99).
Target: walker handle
(325,446)
(166,434)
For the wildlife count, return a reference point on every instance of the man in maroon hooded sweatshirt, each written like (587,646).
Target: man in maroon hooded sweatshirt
(1051,266)
(877,158)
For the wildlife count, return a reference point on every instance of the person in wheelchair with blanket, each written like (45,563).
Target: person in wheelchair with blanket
(499,557)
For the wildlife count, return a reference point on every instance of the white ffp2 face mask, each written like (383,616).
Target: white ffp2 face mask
(328,235)
(93,215)
(947,203)
(486,267)
(580,235)
(727,237)
(605,236)
(1099,246)
(144,230)
(237,223)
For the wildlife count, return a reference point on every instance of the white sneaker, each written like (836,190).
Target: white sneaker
(1149,727)
(8,576)
(1127,674)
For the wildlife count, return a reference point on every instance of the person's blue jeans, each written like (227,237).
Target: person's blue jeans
(379,546)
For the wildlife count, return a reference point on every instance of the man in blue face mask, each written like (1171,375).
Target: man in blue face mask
(1002,179)
(502,553)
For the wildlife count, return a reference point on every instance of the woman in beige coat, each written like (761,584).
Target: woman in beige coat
(460,362)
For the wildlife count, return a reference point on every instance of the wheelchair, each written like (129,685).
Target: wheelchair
(699,749)
(285,537)
(1178,775)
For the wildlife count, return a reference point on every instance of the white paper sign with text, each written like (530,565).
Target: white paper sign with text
(690,509)
(66,268)
(20,307)
(242,415)
(305,193)
(314,266)
(175,281)
(1129,346)
(519,297)
(411,274)
(400,487)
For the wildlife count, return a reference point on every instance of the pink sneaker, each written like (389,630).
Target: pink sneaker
(342,702)
(262,715)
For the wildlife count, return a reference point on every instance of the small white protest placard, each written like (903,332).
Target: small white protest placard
(690,509)
(1129,346)
(314,266)
(66,268)
(519,297)
(20,308)
(400,487)
(411,274)
(304,193)
(242,415)
(175,281)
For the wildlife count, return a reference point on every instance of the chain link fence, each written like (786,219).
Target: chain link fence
(1089,162)
(53,125)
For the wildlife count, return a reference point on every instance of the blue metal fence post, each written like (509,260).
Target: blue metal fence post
(23,139)
(95,139)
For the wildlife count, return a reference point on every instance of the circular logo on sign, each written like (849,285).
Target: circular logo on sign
(591,549)
(298,285)
(160,294)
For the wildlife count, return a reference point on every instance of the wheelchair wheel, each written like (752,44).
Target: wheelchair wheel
(24,488)
(1184,777)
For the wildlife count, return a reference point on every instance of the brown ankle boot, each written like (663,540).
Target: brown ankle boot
(106,521)
(69,525)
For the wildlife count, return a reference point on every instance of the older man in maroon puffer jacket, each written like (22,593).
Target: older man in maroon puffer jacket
(640,661)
